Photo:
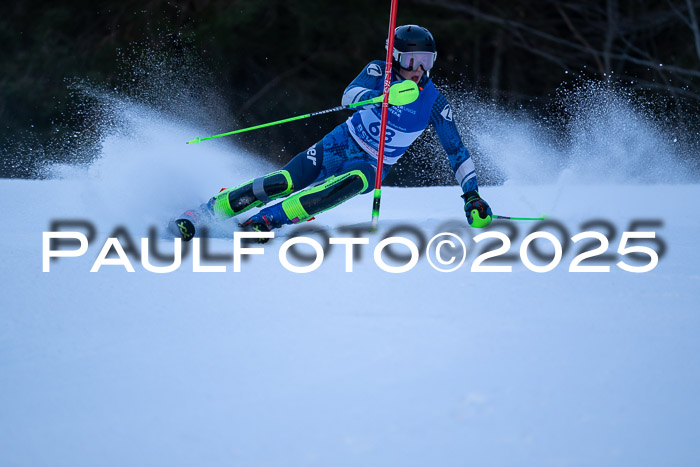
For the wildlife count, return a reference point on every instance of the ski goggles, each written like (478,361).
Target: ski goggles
(412,60)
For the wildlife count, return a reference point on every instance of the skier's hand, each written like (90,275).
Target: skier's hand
(477,210)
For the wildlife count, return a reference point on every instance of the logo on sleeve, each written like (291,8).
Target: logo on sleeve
(374,70)
(447,113)
(311,154)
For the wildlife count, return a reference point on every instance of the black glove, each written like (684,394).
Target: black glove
(477,210)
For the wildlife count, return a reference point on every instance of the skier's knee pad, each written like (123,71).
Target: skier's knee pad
(254,193)
(332,192)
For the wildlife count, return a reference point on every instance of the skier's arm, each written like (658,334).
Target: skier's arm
(461,162)
(367,85)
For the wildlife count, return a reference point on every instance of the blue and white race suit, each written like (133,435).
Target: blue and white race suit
(355,143)
(406,123)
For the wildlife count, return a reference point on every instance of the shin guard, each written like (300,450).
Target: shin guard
(252,194)
(332,192)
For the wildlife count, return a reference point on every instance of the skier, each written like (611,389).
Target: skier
(343,164)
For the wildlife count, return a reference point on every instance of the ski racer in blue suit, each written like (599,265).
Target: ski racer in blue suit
(343,164)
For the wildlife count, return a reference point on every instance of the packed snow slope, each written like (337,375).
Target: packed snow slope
(271,367)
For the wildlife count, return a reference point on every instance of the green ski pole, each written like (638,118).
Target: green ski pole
(541,218)
(401,93)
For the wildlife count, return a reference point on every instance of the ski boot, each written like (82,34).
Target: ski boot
(265,221)
(192,221)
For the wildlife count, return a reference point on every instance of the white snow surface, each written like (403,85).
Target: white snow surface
(267,367)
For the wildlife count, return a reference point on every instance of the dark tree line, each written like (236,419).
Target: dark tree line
(263,60)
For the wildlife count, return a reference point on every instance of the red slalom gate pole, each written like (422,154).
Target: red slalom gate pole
(385,114)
